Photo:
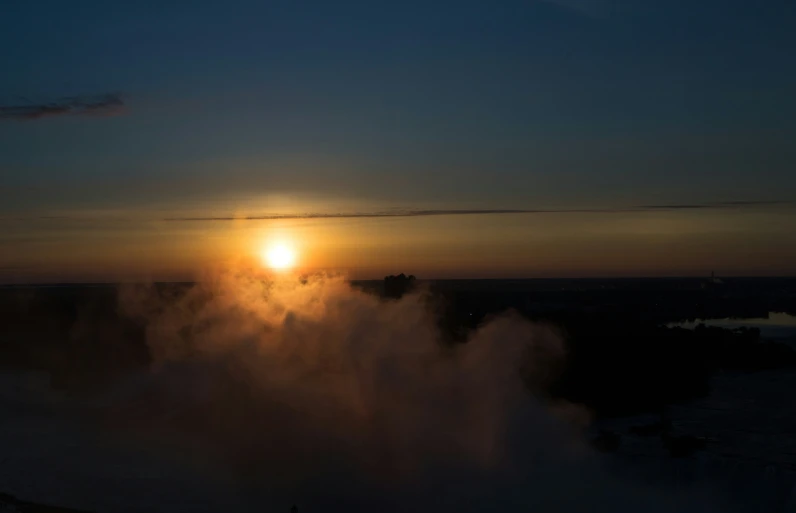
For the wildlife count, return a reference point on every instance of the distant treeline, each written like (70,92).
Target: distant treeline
(621,357)
(617,367)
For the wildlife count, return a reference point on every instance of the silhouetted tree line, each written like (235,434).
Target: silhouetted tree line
(74,333)
(616,367)
(397,286)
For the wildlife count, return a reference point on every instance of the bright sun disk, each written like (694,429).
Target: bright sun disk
(280,257)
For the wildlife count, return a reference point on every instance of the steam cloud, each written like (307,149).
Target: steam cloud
(315,393)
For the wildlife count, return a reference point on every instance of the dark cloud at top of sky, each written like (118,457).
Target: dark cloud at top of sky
(96,105)
(592,8)
(605,9)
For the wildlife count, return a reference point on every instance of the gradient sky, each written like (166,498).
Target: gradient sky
(237,108)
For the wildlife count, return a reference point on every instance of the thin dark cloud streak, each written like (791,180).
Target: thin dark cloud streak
(466,212)
(368,215)
(406,213)
(716,205)
(98,105)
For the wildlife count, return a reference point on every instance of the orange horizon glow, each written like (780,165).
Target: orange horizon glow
(682,243)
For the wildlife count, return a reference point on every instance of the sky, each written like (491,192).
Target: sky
(532,138)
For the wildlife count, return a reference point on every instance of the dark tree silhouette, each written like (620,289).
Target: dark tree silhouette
(397,286)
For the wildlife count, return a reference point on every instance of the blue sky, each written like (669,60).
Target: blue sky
(512,104)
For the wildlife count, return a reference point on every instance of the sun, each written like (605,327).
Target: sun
(280,257)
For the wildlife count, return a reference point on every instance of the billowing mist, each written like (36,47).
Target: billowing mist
(268,391)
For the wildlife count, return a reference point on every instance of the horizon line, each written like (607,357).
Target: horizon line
(549,278)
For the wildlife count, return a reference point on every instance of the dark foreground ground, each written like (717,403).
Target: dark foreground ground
(9,503)
(621,356)
(637,378)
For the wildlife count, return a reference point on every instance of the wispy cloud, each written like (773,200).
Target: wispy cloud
(429,213)
(115,216)
(97,105)
(716,205)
